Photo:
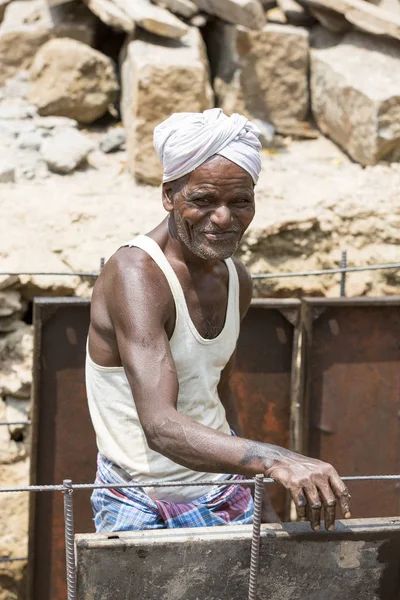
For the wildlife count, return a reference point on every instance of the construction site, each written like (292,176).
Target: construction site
(83,84)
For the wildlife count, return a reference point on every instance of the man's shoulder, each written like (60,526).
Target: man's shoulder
(245,285)
(130,270)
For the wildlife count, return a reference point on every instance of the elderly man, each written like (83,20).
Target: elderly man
(165,320)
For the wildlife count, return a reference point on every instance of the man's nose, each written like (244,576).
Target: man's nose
(221,217)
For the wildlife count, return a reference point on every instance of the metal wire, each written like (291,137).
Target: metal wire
(256,276)
(15,422)
(69,539)
(157,484)
(255,539)
(343,276)
(12,559)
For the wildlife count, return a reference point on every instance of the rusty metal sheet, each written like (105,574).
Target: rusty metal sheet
(63,442)
(351,385)
(262,378)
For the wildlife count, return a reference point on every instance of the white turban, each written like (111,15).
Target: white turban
(186,140)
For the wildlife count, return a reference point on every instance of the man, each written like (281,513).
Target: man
(165,320)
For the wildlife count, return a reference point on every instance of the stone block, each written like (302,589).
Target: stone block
(359,561)
(248,13)
(271,82)
(157,80)
(70,79)
(355,87)
(362,14)
(66,150)
(153,18)
(28,25)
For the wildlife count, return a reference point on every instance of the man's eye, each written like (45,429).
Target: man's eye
(242,201)
(201,201)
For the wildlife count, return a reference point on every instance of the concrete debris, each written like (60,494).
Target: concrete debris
(113,140)
(267,132)
(16,410)
(3,6)
(70,79)
(295,13)
(184,8)
(276,15)
(7,171)
(66,150)
(365,16)
(31,140)
(157,80)
(355,89)
(248,13)
(28,25)
(271,82)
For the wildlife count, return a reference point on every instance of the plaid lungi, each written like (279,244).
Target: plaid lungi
(129,509)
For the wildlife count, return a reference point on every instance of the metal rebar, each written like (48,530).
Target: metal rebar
(15,422)
(380,267)
(5,559)
(326,271)
(343,274)
(223,483)
(255,538)
(69,539)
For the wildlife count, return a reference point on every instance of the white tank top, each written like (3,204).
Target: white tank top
(199,363)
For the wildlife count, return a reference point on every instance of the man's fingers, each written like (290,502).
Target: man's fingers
(329,502)
(315,505)
(300,503)
(341,493)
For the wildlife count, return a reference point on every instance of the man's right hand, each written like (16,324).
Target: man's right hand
(313,484)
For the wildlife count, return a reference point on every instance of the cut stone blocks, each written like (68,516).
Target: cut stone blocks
(158,79)
(355,88)
(271,82)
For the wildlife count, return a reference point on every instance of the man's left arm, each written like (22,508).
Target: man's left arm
(224,388)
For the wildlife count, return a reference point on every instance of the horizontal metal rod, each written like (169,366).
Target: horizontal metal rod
(158,484)
(12,559)
(327,271)
(15,422)
(256,276)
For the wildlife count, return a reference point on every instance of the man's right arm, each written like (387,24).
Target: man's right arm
(139,302)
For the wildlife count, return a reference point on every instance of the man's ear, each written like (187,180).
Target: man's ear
(167,197)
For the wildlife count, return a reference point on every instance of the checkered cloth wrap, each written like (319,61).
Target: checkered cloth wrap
(129,509)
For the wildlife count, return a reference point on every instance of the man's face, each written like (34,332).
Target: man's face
(212,208)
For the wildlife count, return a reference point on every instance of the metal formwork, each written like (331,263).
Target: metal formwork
(63,437)
(350,393)
(63,440)
(262,378)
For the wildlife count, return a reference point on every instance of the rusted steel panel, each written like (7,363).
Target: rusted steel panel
(63,438)
(262,378)
(351,352)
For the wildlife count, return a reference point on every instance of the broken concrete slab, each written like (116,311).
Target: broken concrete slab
(363,15)
(157,80)
(359,560)
(248,13)
(355,89)
(271,82)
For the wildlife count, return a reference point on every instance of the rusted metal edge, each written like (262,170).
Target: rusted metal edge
(356,301)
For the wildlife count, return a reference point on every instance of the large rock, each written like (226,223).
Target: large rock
(111,15)
(295,13)
(66,150)
(157,80)
(3,6)
(184,8)
(363,15)
(70,79)
(271,82)
(248,13)
(153,18)
(27,25)
(355,88)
